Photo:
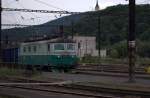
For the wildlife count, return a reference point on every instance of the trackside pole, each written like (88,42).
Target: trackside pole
(131,41)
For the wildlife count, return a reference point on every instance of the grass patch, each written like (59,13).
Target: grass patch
(4,72)
(122,86)
(143,61)
(8,96)
(97,60)
(11,72)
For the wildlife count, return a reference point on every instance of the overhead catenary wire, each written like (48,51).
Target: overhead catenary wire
(108,14)
(32,14)
(46,11)
(23,18)
(39,11)
(19,17)
(24,25)
(49,5)
(14,16)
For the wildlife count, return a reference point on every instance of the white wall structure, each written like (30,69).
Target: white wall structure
(87,46)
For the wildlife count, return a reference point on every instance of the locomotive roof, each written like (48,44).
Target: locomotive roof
(62,40)
(56,40)
(41,39)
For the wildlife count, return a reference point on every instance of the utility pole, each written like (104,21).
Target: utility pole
(0,32)
(131,41)
(99,37)
(99,41)
(61,31)
(72,29)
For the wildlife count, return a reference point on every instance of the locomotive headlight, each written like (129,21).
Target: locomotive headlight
(72,56)
(58,56)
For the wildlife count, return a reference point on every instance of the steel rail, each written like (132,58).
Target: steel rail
(60,91)
(55,87)
(111,90)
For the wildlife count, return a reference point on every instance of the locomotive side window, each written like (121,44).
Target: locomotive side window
(29,49)
(24,49)
(59,47)
(48,47)
(70,47)
(34,48)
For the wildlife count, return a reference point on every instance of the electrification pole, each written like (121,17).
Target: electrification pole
(0,32)
(131,41)
(99,37)
(61,30)
(72,29)
(99,41)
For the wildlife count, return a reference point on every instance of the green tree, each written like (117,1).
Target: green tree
(119,50)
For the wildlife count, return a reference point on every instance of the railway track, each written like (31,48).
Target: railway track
(92,73)
(112,73)
(58,87)
(63,90)
(86,91)
(81,90)
(97,68)
(144,93)
(110,68)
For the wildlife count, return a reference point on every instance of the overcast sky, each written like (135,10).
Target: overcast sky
(68,5)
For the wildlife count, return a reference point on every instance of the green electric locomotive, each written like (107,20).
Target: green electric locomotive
(56,53)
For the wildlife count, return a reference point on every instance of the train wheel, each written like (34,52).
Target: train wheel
(49,69)
(66,70)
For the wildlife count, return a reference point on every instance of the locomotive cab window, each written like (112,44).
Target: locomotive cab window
(48,47)
(29,49)
(34,48)
(24,49)
(70,47)
(59,47)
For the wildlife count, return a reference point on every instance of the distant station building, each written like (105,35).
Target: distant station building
(87,46)
(97,6)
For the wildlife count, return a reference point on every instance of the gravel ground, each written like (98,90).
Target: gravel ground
(22,93)
(91,78)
